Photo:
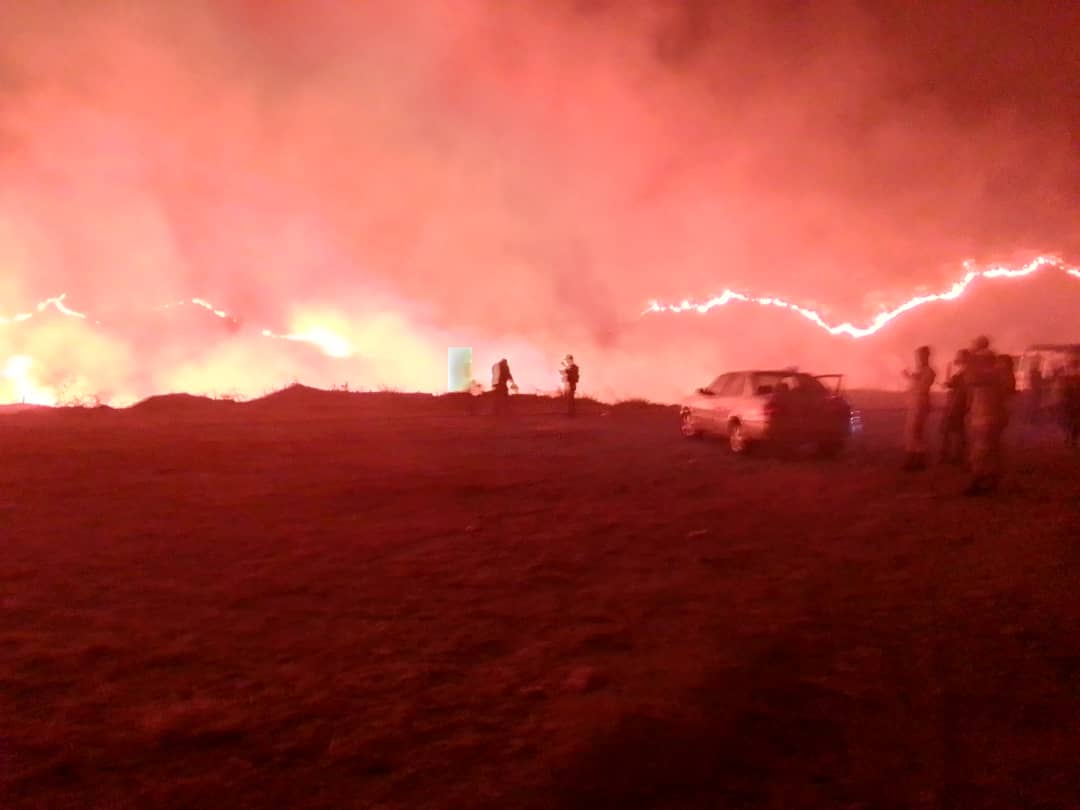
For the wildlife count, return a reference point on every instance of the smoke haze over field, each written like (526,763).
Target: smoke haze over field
(522,178)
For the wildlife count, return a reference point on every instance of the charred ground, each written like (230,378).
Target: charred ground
(339,600)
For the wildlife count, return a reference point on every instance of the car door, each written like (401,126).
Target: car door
(712,403)
(700,406)
(731,400)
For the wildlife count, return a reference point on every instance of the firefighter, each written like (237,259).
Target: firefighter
(920,381)
(953,434)
(985,418)
(501,383)
(570,375)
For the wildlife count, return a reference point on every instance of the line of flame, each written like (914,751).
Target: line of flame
(56,302)
(847,328)
(199,302)
(336,346)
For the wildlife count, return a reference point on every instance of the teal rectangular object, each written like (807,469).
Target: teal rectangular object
(458,368)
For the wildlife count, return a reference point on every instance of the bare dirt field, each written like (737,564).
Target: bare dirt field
(378,601)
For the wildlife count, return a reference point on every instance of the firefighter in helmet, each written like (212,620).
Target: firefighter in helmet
(570,375)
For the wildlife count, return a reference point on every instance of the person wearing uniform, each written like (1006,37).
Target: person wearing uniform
(570,375)
(985,418)
(953,434)
(501,383)
(920,382)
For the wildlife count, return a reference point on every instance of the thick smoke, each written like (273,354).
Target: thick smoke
(522,178)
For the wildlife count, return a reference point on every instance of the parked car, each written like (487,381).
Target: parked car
(785,407)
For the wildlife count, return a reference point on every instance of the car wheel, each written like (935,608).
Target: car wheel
(737,440)
(688,426)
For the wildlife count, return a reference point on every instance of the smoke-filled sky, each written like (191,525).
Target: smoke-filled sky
(522,177)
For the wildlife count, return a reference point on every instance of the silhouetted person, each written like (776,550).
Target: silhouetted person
(501,380)
(1069,399)
(986,418)
(570,375)
(953,428)
(1035,390)
(920,382)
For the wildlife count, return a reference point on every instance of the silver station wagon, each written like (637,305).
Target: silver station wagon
(786,407)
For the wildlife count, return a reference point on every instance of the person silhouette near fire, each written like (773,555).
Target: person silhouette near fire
(502,382)
(570,376)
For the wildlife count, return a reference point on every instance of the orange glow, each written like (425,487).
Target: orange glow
(957,289)
(238,195)
(19,385)
(72,360)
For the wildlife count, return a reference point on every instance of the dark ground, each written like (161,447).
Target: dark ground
(376,601)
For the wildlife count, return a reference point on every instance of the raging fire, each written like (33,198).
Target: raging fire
(384,339)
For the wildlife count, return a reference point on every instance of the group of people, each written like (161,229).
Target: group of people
(980,388)
(502,383)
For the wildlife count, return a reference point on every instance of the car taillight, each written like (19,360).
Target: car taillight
(770,409)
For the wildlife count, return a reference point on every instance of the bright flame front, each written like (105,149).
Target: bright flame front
(73,360)
(20,386)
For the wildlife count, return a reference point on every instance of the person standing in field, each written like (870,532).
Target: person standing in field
(501,382)
(570,375)
(985,418)
(953,433)
(920,382)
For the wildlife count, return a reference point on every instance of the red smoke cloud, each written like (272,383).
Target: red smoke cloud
(522,178)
